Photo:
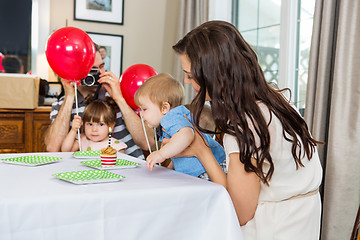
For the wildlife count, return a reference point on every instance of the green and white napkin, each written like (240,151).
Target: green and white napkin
(120,163)
(88,176)
(31,160)
(86,154)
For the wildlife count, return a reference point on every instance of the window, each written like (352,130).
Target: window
(280,33)
(305,30)
(259,23)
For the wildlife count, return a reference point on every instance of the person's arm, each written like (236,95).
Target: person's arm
(198,148)
(244,189)
(178,142)
(69,144)
(57,131)
(132,120)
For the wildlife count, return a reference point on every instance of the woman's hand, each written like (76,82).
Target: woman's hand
(111,84)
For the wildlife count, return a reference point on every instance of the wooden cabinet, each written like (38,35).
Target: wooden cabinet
(23,130)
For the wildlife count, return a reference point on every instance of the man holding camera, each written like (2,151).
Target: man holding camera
(128,127)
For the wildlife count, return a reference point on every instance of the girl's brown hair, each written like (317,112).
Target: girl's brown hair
(95,109)
(226,67)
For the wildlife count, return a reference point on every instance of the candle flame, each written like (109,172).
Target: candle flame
(109,129)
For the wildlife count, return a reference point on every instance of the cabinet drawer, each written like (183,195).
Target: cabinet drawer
(22,130)
(11,130)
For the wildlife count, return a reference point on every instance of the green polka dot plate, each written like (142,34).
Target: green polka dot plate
(120,163)
(86,154)
(31,160)
(89,176)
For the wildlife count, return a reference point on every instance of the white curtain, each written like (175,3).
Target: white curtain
(333,110)
(192,14)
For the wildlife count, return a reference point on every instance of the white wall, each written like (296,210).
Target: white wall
(149,30)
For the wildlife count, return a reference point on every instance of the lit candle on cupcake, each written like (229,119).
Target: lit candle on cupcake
(108,155)
(109,136)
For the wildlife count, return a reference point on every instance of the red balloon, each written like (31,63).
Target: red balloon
(1,66)
(132,78)
(70,53)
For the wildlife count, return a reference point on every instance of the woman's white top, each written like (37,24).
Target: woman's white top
(275,216)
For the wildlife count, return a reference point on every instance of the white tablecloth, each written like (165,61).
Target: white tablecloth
(158,204)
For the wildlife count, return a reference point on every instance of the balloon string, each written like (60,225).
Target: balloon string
(77,112)
(156,142)
(147,140)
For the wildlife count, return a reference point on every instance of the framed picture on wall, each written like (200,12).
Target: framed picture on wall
(111,48)
(104,11)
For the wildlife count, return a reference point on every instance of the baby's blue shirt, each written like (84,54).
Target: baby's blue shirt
(175,120)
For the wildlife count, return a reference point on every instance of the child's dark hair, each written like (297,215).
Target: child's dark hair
(97,108)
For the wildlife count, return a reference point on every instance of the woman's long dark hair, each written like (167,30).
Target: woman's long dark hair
(226,67)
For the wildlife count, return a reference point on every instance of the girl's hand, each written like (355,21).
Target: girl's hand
(153,158)
(76,123)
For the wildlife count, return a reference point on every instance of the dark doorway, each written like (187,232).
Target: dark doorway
(15,28)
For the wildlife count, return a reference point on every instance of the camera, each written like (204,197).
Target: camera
(92,78)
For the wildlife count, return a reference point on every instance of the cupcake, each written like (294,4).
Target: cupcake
(108,156)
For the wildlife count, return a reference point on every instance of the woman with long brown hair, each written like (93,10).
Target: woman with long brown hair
(273,166)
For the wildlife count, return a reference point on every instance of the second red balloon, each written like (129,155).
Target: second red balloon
(132,78)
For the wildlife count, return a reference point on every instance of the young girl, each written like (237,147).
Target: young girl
(160,99)
(274,170)
(99,118)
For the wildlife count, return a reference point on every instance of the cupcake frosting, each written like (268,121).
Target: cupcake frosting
(108,151)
